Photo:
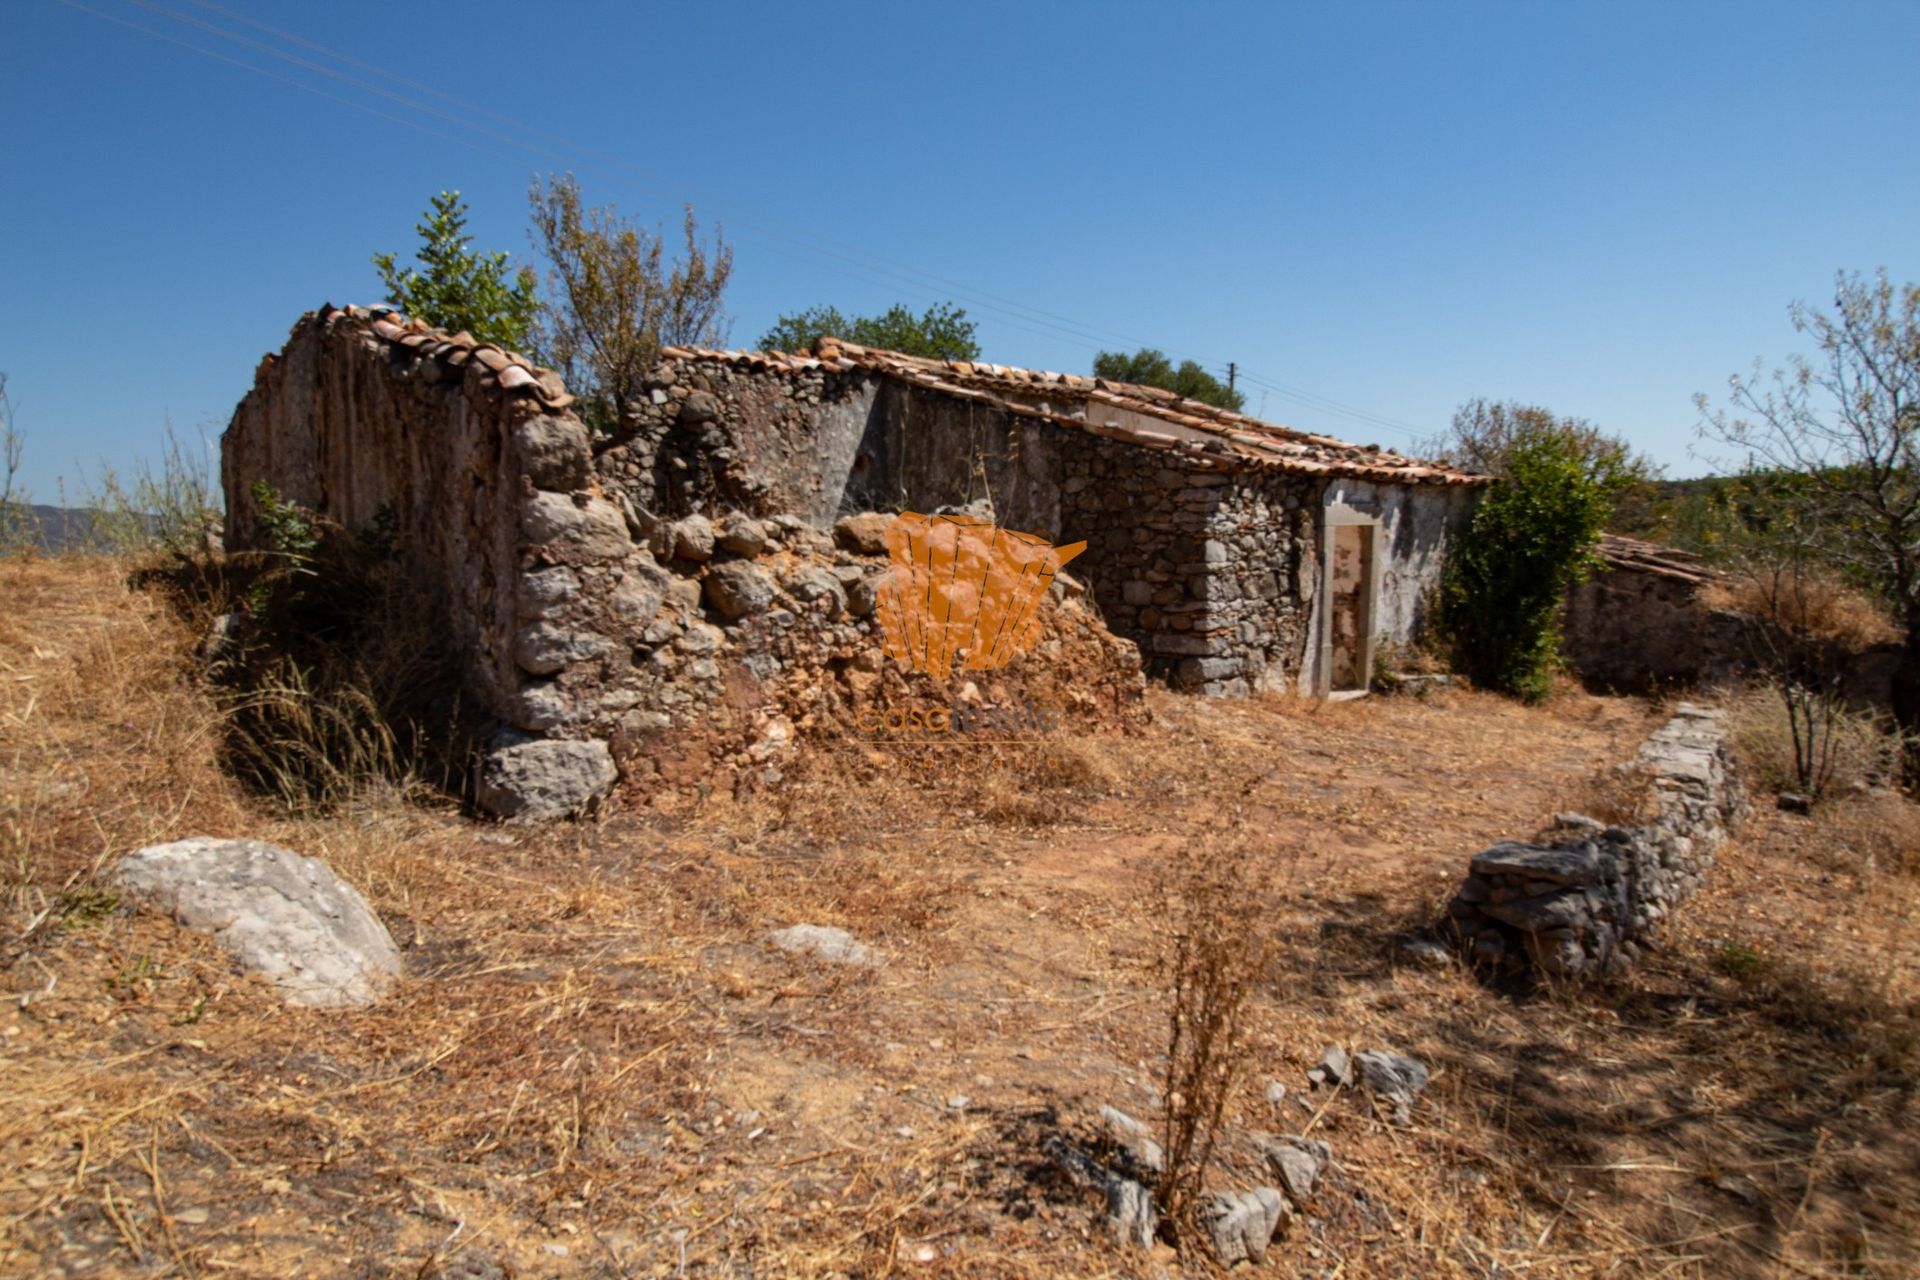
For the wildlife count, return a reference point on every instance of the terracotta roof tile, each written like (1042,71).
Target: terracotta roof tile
(1205,435)
(508,371)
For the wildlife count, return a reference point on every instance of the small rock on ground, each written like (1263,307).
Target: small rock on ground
(836,946)
(1335,1068)
(1395,1077)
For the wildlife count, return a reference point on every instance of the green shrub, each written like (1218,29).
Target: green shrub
(1530,538)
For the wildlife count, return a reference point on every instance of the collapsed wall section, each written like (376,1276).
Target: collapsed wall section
(596,629)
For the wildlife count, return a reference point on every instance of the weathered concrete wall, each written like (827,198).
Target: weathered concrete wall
(1414,525)
(1590,900)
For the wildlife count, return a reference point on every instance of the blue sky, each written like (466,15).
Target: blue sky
(1376,210)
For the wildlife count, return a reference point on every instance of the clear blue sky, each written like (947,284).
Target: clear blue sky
(1598,207)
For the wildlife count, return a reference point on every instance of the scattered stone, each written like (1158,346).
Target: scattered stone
(863,597)
(529,779)
(1132,1137)
(1130,1211)
(1276,1092)
(836,946)
(738,588)
(284,916)
(1395,1077)
(863,534)
(1793,802)
(1242,1224)
(693,538)
(959,1102)
(743,535)
(815,584)
(1425,951)
(1577,822)
(1298,1161)
(1335,1068)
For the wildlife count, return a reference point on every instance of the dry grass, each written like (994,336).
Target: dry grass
(594,1051)
(1805,601)
(1865,749)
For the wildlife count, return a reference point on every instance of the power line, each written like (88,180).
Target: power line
(1015,314)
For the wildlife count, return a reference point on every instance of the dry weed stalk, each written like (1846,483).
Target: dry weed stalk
(1217,952)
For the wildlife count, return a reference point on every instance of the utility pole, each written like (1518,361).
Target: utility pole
(1232,371)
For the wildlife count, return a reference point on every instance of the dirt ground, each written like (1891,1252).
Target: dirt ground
(596,1065)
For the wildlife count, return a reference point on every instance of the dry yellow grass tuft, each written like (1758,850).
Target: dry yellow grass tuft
(1809,602)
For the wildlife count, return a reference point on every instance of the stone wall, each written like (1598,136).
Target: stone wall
(1208,571)
(593,628)
(483,472)
(1589,899)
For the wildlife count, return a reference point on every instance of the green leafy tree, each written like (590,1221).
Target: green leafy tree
(941,332)
(1150,368)
(454,287)
(614,300)
(1530,538)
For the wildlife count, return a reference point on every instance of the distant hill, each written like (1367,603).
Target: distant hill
(62,529)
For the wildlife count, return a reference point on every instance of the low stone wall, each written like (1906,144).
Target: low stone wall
(1589,900)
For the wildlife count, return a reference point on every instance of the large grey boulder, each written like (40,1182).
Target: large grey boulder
(284,916)
(527,779)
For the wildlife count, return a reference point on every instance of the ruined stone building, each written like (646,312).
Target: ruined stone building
(687,591)
(1239,555)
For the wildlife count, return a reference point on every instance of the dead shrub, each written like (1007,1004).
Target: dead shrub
(1216,952)
(1804,600)
(1818,748)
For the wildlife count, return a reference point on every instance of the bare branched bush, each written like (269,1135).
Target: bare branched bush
(1820,749)
(612,300)
(1217,951)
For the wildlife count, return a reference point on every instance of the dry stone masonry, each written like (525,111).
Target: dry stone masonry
(678,631)
(1589,900)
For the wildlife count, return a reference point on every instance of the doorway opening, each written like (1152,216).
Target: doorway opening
(1352,582)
